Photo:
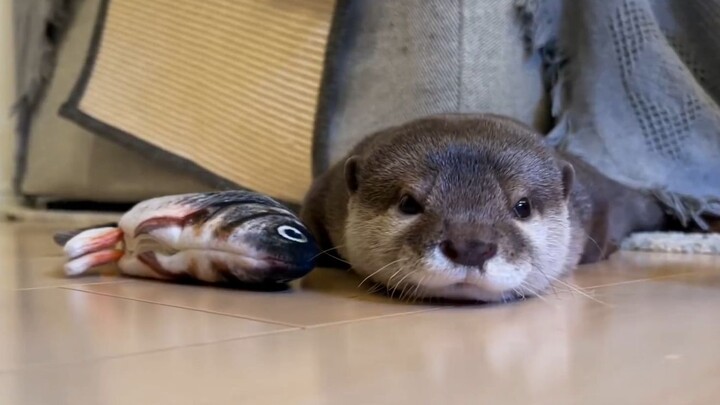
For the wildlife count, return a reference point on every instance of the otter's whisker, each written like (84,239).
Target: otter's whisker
(339,259)
(420,290)
(326,251)
(417,285)
(389,282)
(378,287)
(534,292)
(379,270)
(594,242)
(402,293)
(412,292)
(398,283)
(404,287)
(580,291)
(550,283)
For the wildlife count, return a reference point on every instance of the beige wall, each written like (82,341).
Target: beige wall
(7,91)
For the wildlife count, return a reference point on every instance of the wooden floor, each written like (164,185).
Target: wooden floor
(640,329)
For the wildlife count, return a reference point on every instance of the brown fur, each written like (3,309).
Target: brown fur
(469,170)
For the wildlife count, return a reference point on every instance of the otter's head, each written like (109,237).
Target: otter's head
(472,208)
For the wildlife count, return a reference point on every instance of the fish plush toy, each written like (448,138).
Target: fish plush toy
(230,237)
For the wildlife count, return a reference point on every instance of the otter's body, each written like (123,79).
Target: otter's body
(469,207)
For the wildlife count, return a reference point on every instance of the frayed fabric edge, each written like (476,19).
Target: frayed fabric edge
(539,20)
(689,209)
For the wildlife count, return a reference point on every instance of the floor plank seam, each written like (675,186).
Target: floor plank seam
(45,366)
(373,318)
(67,286)
(250,318)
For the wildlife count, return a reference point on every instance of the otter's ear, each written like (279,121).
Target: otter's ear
(351,174)
(568,178)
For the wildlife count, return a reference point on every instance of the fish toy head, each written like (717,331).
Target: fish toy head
(277,244)
(242,236)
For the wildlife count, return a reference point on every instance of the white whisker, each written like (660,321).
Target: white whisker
(393,276)
(327,250)
(534,292)
(379,270)
(580,291)
(547,279)
(339,259)
(400,281)
(600,250)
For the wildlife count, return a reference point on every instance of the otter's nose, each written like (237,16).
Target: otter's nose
(468,252)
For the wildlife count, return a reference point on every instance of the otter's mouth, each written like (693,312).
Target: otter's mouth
(469,291)
(464,285)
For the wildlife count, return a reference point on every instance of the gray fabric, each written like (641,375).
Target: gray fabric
(399,60)
(39,26)
(636,88)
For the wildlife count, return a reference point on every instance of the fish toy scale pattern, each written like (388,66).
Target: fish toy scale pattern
(220,237)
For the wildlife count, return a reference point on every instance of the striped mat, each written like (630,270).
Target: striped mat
(225,89)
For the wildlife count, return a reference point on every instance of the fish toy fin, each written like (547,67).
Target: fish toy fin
(89,248)
(61,238)
(83,264)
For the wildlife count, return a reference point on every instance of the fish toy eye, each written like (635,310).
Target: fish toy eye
(290,233)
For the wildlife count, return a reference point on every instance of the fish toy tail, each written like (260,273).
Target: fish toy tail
(90,247)
(61,238)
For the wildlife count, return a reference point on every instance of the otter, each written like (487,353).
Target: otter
(470,207)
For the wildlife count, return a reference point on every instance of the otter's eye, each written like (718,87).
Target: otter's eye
(522,208)
(409,205)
